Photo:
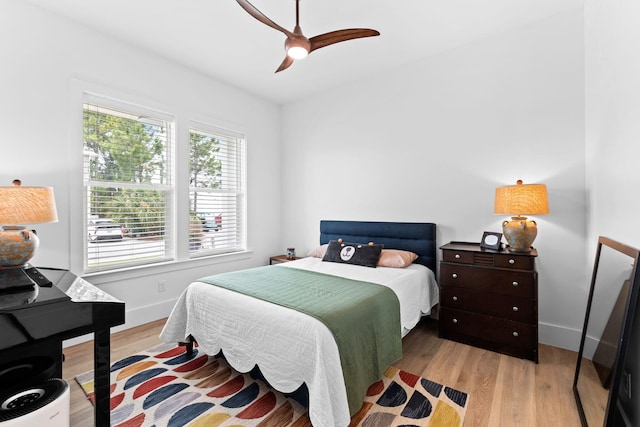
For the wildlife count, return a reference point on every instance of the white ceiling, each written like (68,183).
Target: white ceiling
(218,38)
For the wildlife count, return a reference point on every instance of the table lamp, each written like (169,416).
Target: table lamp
(519,200)
(20,206)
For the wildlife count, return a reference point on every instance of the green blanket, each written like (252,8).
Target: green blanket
(363,317)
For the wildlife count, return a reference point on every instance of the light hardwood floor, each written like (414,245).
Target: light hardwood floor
(504,391)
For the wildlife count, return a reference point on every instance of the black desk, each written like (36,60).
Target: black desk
(35,322)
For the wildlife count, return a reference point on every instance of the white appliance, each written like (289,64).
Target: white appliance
(44,404)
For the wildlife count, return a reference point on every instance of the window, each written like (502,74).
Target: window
(128,185)
(216,191)
(131,162)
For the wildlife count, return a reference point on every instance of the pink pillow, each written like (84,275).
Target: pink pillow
(396,258)
(319,251)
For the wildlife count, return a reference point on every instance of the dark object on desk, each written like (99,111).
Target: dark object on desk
(18,290)
(35,275)
(70,308)
(22,279)
(14,280)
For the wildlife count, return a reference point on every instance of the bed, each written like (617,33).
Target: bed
(293,349)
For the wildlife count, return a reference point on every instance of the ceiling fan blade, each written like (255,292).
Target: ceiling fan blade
(253,11)
(285,64)
(340,36)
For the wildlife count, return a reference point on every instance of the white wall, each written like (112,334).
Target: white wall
(612,37)
(613,118)
(432,140)
(43,58)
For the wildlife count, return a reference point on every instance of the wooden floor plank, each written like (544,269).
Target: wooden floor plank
(552,382)
(478,379)
(504,391)
(514,400)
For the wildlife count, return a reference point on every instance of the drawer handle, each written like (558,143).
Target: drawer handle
(457,256)
(512,261)
(514,308)
(515,283)
(455,320)
(454,275)
(515,333)
(455,298)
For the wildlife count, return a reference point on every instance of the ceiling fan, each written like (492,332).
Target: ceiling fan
(297,45)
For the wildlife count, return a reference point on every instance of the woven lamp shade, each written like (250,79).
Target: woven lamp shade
(521,199)
(27,205)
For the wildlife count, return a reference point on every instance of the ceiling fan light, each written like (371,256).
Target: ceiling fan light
(297,52)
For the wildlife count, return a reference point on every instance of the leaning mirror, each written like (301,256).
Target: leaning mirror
(601,384)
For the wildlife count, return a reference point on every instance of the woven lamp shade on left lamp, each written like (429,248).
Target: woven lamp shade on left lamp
(20,206)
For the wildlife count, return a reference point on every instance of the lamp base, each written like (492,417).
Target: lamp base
(17,246)
(520,233)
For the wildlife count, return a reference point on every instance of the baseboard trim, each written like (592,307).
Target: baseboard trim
(559,336)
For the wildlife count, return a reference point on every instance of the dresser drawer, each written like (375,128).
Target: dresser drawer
(490,304)
(517,262)
(514,338)
(461,257)
(489,259)
(502,281)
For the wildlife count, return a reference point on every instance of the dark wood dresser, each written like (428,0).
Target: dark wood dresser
(489,299)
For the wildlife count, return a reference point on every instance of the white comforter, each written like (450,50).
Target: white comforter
(291,347)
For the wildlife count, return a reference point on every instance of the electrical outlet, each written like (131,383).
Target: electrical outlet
(626,378)
(162,285)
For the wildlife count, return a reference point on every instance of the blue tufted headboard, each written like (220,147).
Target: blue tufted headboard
(418,237)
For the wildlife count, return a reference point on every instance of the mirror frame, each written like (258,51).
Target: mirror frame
(629,311)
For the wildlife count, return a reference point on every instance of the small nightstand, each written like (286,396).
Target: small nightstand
(489,299)
(277,259)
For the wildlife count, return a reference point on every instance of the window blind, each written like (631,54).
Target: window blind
(128,185)
(216,191)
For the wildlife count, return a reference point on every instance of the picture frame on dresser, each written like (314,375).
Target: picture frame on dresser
(491,240)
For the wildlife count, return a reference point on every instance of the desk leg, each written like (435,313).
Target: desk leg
(101,384)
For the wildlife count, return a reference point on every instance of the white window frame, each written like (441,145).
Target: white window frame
(238,192)
(168,188)
(178,223)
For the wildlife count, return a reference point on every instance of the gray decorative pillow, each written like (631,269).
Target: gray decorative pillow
(363,254)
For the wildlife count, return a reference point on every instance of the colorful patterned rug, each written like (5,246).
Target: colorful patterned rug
(163,387)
